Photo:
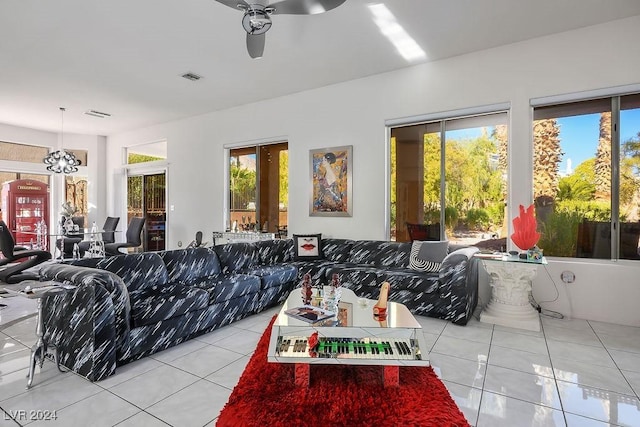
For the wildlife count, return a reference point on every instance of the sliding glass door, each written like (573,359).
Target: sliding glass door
(146,197)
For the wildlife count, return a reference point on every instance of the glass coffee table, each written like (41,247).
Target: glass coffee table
(352,336)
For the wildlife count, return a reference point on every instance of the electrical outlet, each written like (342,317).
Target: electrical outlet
(568,276)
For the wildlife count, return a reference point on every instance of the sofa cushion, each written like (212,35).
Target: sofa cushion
(316,269)
(337,250)
(380,253)
(427,256)
(453,258)
(84,262)
(273,251)
(224,287)
(407,279)
(274,275)
(236,256)
(354,276)
(138,271)
(187,265)
(307,246)
(154,304)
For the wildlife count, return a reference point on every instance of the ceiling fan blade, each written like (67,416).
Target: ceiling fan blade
(233,3)
(255,45)
(304,7)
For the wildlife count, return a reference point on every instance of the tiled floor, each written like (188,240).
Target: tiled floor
(574,373)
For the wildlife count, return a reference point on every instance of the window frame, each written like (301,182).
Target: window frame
(612,98)
(254,144)
(435,119)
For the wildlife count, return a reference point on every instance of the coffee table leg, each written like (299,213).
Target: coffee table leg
(302,374)
(391,376)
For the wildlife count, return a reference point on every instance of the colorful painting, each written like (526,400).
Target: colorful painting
(331,193)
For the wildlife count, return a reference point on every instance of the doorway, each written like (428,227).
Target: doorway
(146,197)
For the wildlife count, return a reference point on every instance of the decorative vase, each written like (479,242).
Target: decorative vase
(68,225)
(534,254)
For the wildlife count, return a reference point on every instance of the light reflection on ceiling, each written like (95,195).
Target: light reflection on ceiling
(397,35)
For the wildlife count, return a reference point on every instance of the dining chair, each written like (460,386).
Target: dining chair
(15,273)
(197,242)
(134,237)
(71,237)
(108,234)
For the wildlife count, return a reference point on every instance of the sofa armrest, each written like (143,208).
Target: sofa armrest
(458,285)
(90,325)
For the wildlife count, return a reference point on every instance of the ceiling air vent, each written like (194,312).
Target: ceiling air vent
(191,76)
(95,113)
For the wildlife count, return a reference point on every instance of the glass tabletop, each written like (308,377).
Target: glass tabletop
(352,312)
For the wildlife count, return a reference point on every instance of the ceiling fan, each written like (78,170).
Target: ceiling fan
(257,16)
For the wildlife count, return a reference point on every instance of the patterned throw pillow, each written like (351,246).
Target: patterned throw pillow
(307,246)
(427,256)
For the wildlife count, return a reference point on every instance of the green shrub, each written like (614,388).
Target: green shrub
(559,233)
(450,217)
(431,215)
(478,219)
(496,213)
(587,209)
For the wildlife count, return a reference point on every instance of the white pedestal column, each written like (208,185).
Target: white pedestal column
(510,290)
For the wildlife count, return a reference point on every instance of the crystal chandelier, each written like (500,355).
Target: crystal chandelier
(61,161)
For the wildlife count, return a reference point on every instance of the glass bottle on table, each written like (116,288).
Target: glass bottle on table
(336,289)
(306,289)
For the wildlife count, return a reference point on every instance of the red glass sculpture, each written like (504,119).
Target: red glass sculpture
(525,235)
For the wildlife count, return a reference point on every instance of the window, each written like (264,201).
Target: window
(586,165)
(150,152)
(76,195)
(22,152)
(258,187)
(451,174)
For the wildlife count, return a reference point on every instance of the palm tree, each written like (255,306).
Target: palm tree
(547,156)
(603,159)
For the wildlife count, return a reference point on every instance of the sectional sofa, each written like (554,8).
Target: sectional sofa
(449,293)
(130,306)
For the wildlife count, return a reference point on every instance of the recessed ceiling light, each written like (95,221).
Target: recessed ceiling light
(191,76)
(95,113)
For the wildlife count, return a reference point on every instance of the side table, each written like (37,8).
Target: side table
(39,351)
(510,281)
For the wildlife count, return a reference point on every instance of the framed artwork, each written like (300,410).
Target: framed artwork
(331,189)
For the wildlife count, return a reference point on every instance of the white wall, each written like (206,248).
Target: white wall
(354,113)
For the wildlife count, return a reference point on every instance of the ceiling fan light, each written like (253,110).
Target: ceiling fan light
(256,21)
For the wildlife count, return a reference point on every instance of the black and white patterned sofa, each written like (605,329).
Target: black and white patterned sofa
(127,307)
(450,293)
(130,306)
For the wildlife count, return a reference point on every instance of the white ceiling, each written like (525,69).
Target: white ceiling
(125,57)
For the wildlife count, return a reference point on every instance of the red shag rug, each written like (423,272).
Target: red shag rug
(339,395)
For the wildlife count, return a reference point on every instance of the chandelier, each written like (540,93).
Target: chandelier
(61,161)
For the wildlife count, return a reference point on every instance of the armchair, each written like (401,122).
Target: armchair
(15,273)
